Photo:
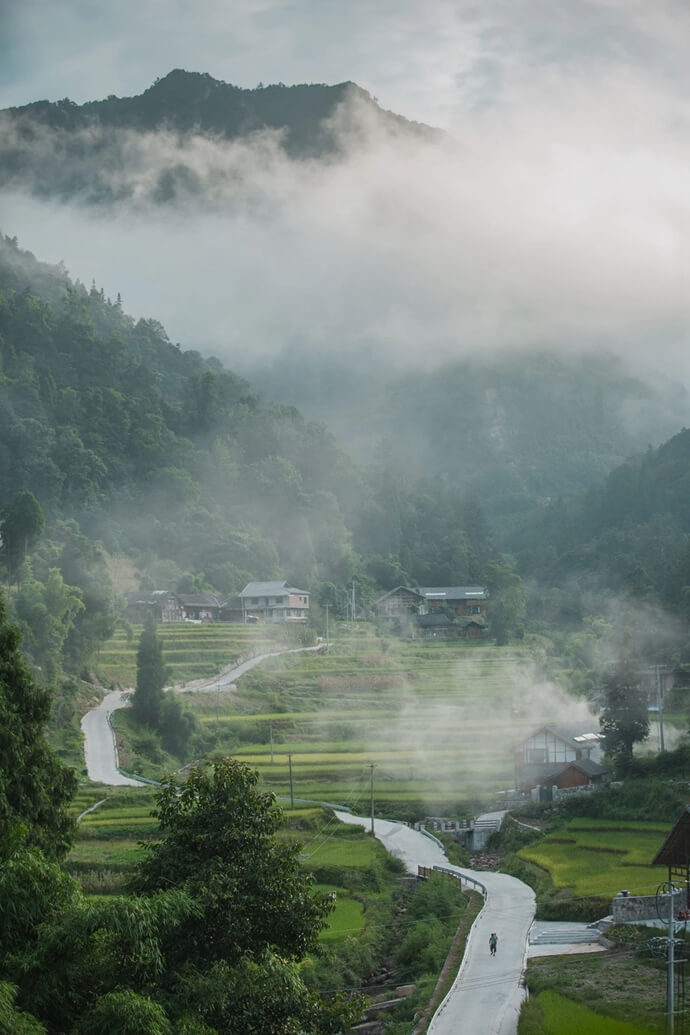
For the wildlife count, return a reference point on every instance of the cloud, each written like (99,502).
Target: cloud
(556,220)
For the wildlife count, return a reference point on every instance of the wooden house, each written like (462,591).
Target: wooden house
(399,603)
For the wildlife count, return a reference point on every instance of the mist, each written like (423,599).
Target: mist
(555,221)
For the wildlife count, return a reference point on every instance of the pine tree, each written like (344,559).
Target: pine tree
(152,676)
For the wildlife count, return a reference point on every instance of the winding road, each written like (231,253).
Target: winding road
(100,744)
(487,993)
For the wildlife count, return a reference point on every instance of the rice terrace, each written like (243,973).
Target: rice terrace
(436,720)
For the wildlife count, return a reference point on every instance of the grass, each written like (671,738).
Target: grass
(623,984)
(554,1014)
(347,919)
(599,858)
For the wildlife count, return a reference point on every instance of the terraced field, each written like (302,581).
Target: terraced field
(600,857)
(191,651)
(436,721)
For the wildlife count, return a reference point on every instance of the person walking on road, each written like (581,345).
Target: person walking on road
(493,942)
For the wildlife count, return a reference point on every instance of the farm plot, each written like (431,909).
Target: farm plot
(191,651)
(600,858)
(436,721)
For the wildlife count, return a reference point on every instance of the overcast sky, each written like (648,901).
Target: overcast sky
(560,219)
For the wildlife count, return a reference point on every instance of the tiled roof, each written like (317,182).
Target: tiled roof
(453,592)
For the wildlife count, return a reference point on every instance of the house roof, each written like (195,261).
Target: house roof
(269,589)
(431,621)
(552,770)
(198,599)
(578,735)
(675,851)
(405,589)
(453,592)
(138,596)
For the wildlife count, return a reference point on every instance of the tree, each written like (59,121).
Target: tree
(23,522)
(624,720)
(152,676)
(260,913)
(506,602)
(35,787)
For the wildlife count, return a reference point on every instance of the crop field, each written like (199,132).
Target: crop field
(600,858)
(191,651)
(562,1016)
(437,721)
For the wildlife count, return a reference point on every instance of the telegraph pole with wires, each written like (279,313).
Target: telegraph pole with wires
(371,786)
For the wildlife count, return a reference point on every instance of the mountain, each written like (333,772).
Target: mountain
(67,150)
(515,430)
(630,533)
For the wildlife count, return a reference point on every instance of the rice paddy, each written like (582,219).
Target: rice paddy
(601,858)
(436,720)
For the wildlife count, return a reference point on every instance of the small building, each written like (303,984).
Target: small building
(438,626)
(560,755)
(466,601)
(161,603)
(199,607)
(274,602)
(562,775)
(398,603)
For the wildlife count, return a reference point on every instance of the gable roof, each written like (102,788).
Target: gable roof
(405,589)
(198,599)
(578,735)
(431,621)
(675,851)
(154,596)
(453,592)
(269,589)
(552,770)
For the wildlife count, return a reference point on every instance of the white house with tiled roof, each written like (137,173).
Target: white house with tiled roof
(274,602)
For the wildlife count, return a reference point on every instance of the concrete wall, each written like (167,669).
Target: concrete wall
(630,909)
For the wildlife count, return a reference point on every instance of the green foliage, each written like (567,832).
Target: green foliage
(152,675)
(218,842)
(22,525)
(625,718)
(36,788)
(124,1012)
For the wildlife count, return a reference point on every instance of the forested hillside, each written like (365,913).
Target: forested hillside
(123,439)
(630,533)
(90,142)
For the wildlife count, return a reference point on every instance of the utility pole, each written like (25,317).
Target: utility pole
(328,645)
(660,705)
(292,792)
(670,1006)
(371,780)
(353,603)
(271,736)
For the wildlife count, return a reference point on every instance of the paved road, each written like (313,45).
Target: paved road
(487,994)
(100,748)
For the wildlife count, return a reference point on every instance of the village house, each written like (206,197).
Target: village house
(199,607)
(161,603)
(398,603)
(274,602)
(465,601)
(561,756)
